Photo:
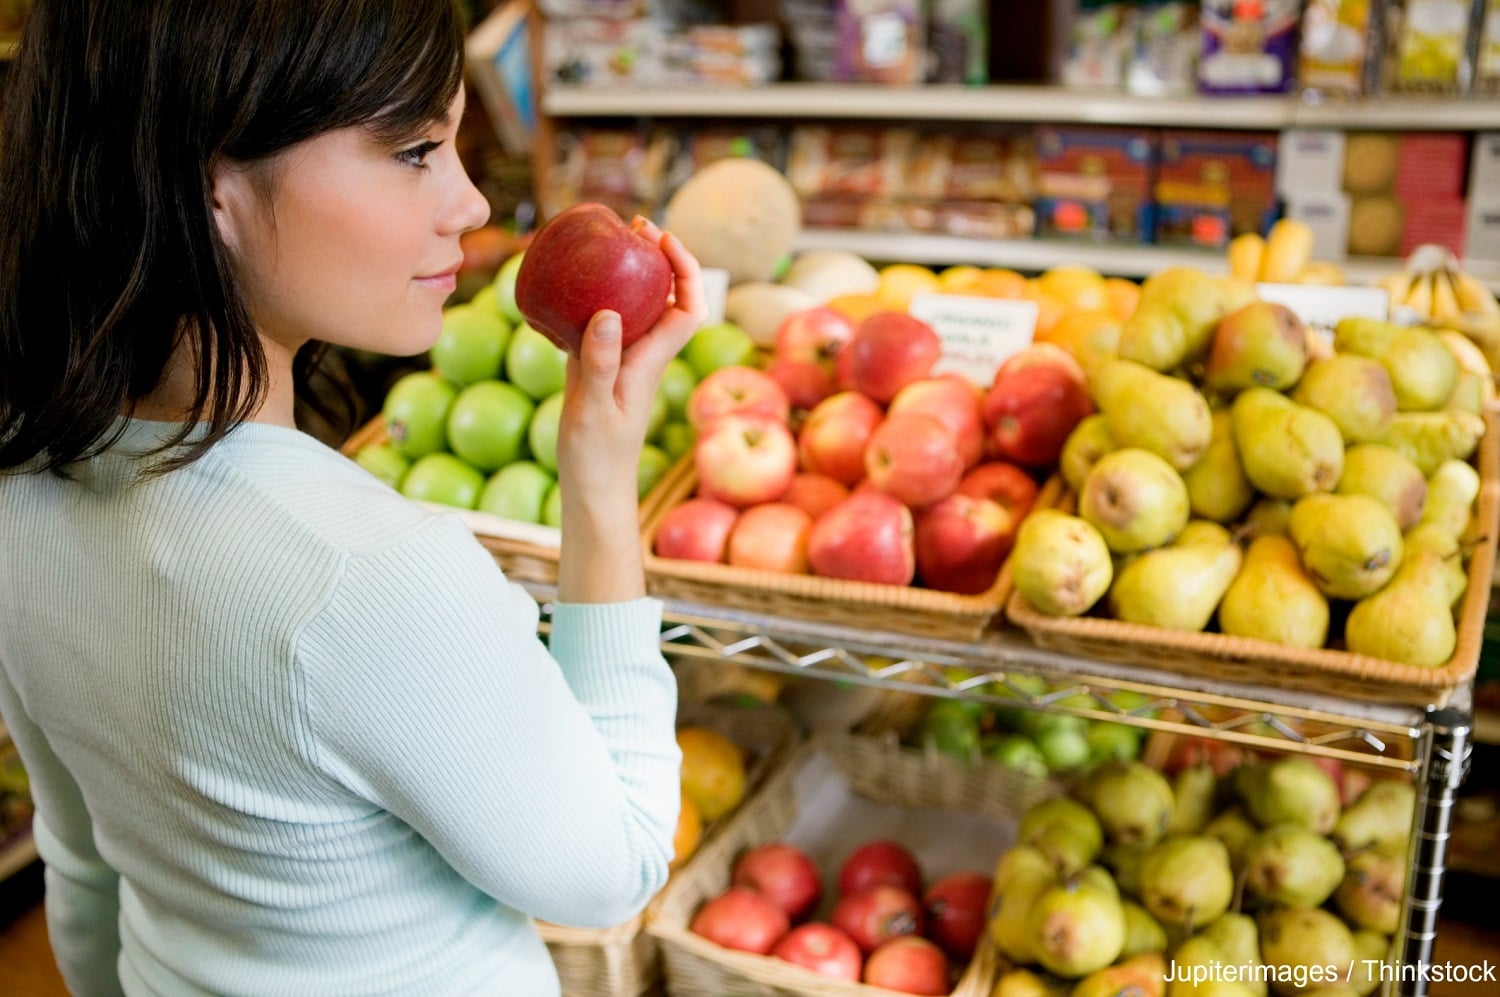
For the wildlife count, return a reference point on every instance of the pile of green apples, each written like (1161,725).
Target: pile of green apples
(1255,881)
(478,430)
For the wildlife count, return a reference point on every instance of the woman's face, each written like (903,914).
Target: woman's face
(358,245)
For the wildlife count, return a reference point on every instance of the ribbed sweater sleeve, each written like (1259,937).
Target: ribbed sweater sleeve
(551,785)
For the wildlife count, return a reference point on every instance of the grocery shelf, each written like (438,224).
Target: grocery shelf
(16,855)
(1016,103)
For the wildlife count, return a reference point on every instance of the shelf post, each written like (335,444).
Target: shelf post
(1446,749)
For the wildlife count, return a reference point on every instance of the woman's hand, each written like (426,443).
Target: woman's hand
(609,392)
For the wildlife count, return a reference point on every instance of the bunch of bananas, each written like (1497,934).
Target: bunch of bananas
(1434,290)
(1284,256)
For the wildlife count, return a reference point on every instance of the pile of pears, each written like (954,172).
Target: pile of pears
(1136,877)
(1241,469)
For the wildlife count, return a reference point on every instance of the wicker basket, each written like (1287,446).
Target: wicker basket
(863,605)
(524,551)
(880,771)
(623,961)
(1323,670)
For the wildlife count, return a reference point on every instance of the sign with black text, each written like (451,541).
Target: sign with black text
(978,334)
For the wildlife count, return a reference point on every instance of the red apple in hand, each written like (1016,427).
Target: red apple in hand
(889,351)
(913,457)
(873,916)
(586,260)
(745,459)
(741,919)
(784,875)
(813,335)
(736,389)
(952,400)
(867,537)
(805,383)
(880,863)
(961,542)
(957,909)
(813,493)
(833,437)
(1032,411)
(771,536)
(909,966)
(1004,483)
(696,530)
(823,949)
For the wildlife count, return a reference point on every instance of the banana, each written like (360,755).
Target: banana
(1469,356)
(1484,331)
(1419,298)
(1324,273)
(1473,296)
(1288,251)
(1397,287)
(1444,300)
(1246,253)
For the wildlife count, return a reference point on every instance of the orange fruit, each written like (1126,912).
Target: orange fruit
(1089,336)
(1049,312)
(998,283)
(688,834)
(900,282)
(1124,295)
(713,771)
(1081,288)
(855,307)
(960,279)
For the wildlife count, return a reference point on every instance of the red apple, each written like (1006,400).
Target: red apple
(1031,413)
(696,530)
(583,261)
(813,493)
(813,335)
(957,909)
(913,457)
(736,389)
(784,875)
(771,536)
(889,351)
(742,920)
(1044,355)
(875,915)
(961,542)
(909,966)
(867,537)
(832,438)
(952,400)
(880,863)
(1004,483)
(805,383)
(823,949)
(745,459)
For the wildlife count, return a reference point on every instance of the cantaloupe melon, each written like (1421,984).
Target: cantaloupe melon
(737,214)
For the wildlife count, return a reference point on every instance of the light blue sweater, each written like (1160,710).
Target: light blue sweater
(290,733)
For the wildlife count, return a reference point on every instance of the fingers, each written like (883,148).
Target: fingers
(598,363)
(689,278)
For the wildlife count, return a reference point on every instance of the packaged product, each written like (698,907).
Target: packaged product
(597,52)
(1249,46)
(1164,59)
(1430,45)
(810,28)
(1336,36)
(845,161)
(958,42)
(1099,45)
(1212,186)
(1095,183)
(625,168)
(973,166)
(880,41)
(1487,69)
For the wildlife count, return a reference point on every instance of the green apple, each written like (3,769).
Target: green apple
(1016,751)
(722,344)
(1064,748)
(485,299)
(676,439)
(471,347)
(543,432)
(534,364)
(658,417)
(1109,740)
(953,728)
(505,288)
(677,383)
(552,507)
(652,465)
(384,461)
(416,413)
(517,491)
(442,477)
(487,424)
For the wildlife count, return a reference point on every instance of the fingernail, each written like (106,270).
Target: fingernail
(608,329)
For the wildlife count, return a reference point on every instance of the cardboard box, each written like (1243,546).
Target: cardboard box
(1482,231)
(1309,161)
(1438,220)
(1432,165)
(1212,186)
(1095,183)
(1326,212)
(1484,173)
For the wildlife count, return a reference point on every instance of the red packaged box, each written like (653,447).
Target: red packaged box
(1095,183)
(1432,165)
(1212,186)
(1438,220)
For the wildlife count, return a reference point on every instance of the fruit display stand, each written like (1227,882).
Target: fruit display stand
(833,792)
(1243,659)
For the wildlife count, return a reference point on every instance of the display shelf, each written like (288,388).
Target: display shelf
(1016,104)
(17,854)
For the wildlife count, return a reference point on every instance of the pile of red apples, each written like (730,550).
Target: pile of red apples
(884,928)
(848,458)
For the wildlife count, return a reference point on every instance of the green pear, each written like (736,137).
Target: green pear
(1235,830)
(1430,438)
(1349,544)
(1369,895)
(1186,881)
(1139,974)
(1238,939)
(1260,345)
(1268,517)
(1289,790)
(1380,818)
(1423,370)
(1132,800)
(1287,450)
(1193,789)
(1088,441)
(1175,319)
(1380,472)
(1293,866)
(1294,940)
(1065,831)
(1152,411)
(1217,486)
(1354,391)
(1060,563)
(1014,894)
(1468,394)
(1409,620)
(1435,539)
(1451,492)
(1025,983)
(1143,933)
(1125,862)
(1196,963)
(1076,928)
(1178,586)
(1272,598)
(1372,949)
(1135,499)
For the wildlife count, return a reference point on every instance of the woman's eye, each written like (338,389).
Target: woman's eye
(417,154)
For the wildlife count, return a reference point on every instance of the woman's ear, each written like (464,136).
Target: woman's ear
(231,188)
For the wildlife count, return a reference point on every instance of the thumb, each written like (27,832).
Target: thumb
(599,354)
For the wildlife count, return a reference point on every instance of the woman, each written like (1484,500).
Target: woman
(287,732)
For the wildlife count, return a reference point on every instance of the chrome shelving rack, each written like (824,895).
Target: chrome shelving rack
(1430,745)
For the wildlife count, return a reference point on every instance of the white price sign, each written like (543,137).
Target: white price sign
(1321,307)
(978,334)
